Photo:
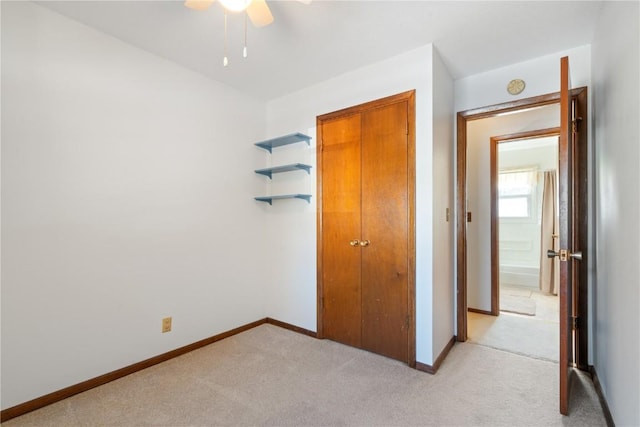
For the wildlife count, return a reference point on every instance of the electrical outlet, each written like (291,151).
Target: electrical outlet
(166,324)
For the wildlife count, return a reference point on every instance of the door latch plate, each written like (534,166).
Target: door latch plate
(564,255)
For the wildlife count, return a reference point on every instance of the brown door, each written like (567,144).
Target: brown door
(364,221)
(567,246)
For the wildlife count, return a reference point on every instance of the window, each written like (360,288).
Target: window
(514,207)
(516,194)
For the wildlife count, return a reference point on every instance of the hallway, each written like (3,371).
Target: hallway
(535,336)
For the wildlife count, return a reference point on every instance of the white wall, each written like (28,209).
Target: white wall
(616,73)
(542,76)
(443,184)
(294,264)
(479,133)
(127,186)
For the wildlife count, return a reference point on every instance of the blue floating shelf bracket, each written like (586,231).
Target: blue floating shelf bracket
(270,199)
(293,138)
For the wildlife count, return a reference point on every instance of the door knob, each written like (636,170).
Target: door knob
(563,254)
(576,255)
(365,243)
(552,254)
(354,242)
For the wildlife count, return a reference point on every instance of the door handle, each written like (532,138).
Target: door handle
(552,254)
(365,243)
(563,254)
(576,255)
(354,242)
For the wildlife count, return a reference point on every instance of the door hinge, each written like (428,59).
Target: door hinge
(575,323)
(321,303)
(574,124)
(407,322)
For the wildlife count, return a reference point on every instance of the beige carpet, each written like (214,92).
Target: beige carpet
(518,305)
(274,377)
(535,336)
(524,335)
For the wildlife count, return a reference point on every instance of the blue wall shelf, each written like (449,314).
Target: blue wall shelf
(270,199)
(269,145)
(293,138)
(285,168)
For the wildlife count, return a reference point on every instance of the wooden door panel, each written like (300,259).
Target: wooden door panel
(340,225)
(565,151)
(385,223)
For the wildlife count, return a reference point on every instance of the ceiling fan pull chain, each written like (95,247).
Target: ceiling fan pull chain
(244,51)
(225,61)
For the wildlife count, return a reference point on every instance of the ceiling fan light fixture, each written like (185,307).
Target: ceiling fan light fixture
(255,10)
(198,4)
(235,5)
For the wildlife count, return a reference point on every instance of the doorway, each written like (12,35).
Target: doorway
(525,218)
(524,222)
(467,218)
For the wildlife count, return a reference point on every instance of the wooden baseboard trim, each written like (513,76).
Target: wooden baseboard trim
(601,398)
(475,310)
(291,327)
(436,365)
(64,393)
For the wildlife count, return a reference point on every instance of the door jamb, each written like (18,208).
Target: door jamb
(461,192)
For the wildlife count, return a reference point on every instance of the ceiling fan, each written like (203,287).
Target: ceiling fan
(257,10)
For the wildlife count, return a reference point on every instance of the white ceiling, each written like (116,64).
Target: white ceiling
(311,43)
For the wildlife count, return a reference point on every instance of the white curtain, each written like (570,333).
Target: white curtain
(549,267)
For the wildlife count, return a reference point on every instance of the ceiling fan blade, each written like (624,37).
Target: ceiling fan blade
(259,13)
(198,4)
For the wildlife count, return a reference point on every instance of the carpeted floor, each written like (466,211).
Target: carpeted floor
(517,304)
(524,335)
(270,376)
(535,336)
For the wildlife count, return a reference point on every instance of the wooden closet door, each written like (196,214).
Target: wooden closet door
(385,224)
(341,256)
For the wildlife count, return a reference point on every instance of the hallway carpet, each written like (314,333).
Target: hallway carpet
(524,335)
(534,336)
(274,377)
(517,305)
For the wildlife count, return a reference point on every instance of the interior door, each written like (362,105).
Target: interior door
(566,223)
(385,231)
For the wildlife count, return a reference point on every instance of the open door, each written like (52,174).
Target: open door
(567,236)
(573,217)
